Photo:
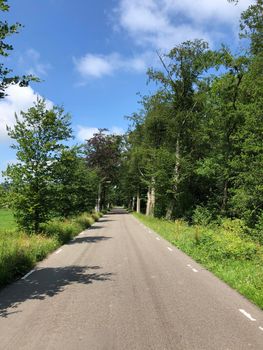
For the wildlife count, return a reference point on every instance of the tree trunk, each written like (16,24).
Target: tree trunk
(133,203)
(150,200)
(98,206)
(171,205)
(138,203)
(169,210)
(225,197)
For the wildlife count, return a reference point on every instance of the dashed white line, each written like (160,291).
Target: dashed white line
(261,328)
(192,268)
(29,273)
(58,251)
(247,315)
(158,239)
(169,249)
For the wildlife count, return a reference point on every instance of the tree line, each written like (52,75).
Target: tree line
(195,148)
(193,151)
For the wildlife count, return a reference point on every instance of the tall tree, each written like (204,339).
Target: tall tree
(103,154)
(182,79)
(39,140)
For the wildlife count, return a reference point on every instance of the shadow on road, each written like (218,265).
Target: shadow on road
(89,239)
(105,220)
(117,211)
(46,283)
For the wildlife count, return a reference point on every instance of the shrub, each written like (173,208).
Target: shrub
(96,216)
(202,216)
(84,220)
(20,252)
(258,232)
(63,231)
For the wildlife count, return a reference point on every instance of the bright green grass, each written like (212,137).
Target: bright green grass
(7,221)
(223,250)
(19,252)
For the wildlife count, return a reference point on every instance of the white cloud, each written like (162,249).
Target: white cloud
(165,23)
(85,133)
(96,66)
(31,63)
(18,99)
(160,25)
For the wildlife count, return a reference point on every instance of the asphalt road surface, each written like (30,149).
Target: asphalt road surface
(120,286)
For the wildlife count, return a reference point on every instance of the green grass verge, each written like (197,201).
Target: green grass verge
(224,250)
(7,221)
(19,252)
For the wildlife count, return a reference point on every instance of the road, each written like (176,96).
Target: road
(120,286)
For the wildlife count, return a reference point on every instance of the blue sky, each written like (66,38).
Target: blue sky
(93,55)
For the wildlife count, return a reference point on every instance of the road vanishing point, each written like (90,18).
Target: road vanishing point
(119,286)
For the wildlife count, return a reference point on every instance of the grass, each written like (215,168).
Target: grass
(19,252)
(7,221)
(225,250)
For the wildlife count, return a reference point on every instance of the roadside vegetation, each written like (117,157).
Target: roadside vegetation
(20,251)
(223,248)
(192,161)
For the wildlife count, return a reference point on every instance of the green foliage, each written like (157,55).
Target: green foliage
(195,150)
(85,220)
(39,137)
(7,220)
(95,216)
(62,230)
(103,155)
(5,31)
(258,232)
(202,216)
(19,252)
(225,250)
(75,190)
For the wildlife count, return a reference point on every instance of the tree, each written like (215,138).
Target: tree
(182,81)
(75,184)
(103,154)
(39,136)
(5,31)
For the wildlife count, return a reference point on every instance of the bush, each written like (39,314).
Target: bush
(63,231)
(85,220)
(202,216)
(258,231)
(20,252)
(96,216)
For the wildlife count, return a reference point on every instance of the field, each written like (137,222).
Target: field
(224,250)
(7,221)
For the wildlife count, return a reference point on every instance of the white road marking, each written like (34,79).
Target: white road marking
(261,328)
(29,273)
(191,267)
(247,315)
(58,251)
(169,249)
(158,239)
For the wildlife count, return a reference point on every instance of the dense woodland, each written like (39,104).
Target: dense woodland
(194,151)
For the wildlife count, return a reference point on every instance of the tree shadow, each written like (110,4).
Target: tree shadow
(97,227)
(89,239)
(117,211)
(105,220)
(46,283)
